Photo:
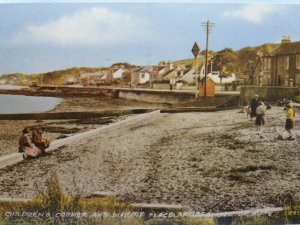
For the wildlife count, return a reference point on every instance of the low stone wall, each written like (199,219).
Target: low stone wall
(59,91)
(162,86)
(268,93)
(69,115)
(157,96)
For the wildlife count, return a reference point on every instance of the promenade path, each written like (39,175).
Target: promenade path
(212,161)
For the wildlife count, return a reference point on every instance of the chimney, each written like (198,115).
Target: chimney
(285,40)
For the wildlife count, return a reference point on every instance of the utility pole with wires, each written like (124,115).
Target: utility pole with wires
(207,29)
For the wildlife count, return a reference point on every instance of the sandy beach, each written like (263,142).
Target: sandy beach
(209,162)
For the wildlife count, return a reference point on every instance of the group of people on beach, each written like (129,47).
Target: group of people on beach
(258,109)
(33,146)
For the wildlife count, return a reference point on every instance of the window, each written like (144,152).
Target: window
(298,61)
(143,76)
(266,63)
(286,62)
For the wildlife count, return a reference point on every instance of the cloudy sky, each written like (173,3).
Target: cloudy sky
(39,36)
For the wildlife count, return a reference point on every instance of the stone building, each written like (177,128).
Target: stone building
(282,66)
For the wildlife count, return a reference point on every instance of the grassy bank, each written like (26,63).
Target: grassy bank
(52,206)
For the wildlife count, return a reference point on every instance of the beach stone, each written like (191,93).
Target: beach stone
(280,137)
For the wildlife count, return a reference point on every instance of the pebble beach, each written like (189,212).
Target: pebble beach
(208,162)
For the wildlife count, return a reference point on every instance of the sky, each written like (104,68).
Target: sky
(42,36)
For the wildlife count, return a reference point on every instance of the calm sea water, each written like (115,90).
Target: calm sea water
(25,104)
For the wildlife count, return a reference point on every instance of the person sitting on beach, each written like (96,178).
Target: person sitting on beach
(26,146)
(39,140)
(260,116)
(289,124)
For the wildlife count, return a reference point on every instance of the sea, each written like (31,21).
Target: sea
(25,104)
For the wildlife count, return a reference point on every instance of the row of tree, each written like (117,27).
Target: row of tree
(228,61)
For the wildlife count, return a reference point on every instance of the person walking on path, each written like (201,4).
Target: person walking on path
(253,106)
(26,146)
(289,123)
(260,116)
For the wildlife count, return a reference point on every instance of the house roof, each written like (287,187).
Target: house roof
(287,48)
(168,73)
(187,71)
(136,69)
(147,69)
(115,70)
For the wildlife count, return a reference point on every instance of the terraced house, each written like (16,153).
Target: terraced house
(282,66)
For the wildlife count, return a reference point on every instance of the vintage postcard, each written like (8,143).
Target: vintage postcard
(149,112)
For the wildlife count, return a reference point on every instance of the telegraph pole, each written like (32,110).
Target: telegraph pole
(195,51)
(207,29)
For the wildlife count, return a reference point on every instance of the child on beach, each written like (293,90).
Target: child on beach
(26,146)
(39,140)
(260,116)
(289,123)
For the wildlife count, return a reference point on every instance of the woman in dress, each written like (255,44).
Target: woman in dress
(26,146)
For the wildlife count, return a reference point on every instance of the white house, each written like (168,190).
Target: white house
(215,76)
(141,75)
(164,67)
(118,73)
(101,75)
(145,75)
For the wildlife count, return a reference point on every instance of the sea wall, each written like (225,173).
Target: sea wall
(268,93)
(69,115)
(155,96)
(58,91)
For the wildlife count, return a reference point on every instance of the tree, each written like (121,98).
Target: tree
(211,53)
(226,62)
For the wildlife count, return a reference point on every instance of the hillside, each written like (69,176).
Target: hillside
(53,77)
(199,61)
(227,59)
(231,61)
(250,53)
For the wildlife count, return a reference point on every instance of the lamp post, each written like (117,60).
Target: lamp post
(195,51)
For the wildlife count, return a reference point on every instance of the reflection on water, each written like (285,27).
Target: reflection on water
(25,104)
